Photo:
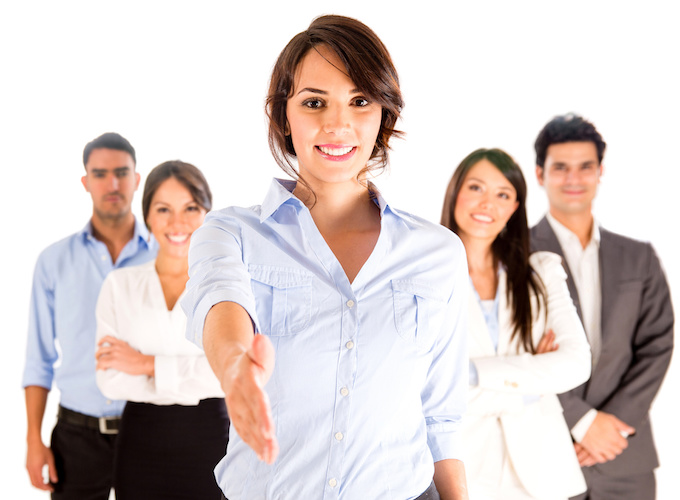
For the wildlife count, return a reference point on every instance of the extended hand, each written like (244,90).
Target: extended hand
(37,456)
(547,343)
(604,439)
(117,354)
(247,401)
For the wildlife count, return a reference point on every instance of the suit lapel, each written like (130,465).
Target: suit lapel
(545,239)
(608,277)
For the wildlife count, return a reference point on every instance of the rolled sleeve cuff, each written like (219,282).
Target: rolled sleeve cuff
(196,322)
(445,441)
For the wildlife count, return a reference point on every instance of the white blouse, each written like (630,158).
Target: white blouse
(132,307)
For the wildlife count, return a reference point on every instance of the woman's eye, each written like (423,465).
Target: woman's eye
(361,102)
(503,196)
(474,187)
(313,103)
(192,208)
(162,210)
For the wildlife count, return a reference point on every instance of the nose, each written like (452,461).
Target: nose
(336,120)
(114,183)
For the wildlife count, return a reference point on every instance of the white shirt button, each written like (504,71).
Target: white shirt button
(350,303)
(339,436)
(103,257)
(344,391)
(332,483)
(349,345)
(108,401)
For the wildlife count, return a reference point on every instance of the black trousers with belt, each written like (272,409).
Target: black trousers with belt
(83,457)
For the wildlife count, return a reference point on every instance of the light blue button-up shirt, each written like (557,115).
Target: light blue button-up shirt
(62,325)
(371,377)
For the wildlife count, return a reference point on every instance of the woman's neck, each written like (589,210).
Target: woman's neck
(167,265)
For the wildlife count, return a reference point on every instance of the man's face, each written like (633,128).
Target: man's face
(111,180)
(570,177)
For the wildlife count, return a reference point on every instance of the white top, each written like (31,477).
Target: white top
(132,307)
(584,264)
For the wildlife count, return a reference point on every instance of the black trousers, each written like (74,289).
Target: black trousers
(84,462)
(429,494)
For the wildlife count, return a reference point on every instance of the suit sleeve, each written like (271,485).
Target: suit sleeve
(652,348)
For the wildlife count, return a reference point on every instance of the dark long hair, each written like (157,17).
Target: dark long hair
(511,246)
(369,66)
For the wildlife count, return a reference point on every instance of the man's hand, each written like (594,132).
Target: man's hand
(117,354)
(605,439)
(37,456)
(247,401)
(585,459)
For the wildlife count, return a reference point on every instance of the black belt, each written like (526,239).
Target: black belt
(105,425)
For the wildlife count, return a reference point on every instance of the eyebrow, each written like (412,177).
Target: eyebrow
(506,188)
(116,170)
(323,92)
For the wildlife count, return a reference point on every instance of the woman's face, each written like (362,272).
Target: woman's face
(485,203)
(333,126)
(173,217)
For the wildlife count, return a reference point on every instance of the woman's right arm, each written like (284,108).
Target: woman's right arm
(243,363)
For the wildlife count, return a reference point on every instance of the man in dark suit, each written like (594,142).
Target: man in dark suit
(622,297)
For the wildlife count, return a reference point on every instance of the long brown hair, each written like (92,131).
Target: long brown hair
(511,247)
(369,66)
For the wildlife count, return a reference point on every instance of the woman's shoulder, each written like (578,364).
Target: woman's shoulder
(547,264)
(421,226)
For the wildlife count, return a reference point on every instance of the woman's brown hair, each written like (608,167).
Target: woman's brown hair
(369,66)
(187,175)
(511,247)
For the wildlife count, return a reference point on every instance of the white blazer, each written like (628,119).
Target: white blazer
(533,435)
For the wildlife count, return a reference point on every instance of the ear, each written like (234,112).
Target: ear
(83,179)
(599,177)
(539,174)
(137,178)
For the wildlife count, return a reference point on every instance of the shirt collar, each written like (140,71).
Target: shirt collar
(141,233)
(281,193)
(565,235)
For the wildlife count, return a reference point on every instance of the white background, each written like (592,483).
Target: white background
(187,80)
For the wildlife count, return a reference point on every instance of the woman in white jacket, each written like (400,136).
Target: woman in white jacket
(174,428)
(526,341)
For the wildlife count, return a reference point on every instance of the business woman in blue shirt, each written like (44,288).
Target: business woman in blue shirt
(335,323)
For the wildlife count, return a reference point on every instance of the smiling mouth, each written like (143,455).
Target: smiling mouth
(178,239)
(482,218)
(336,153)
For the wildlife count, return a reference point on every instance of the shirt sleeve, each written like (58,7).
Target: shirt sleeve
(41,350)
(550,373)
(445,393)
(217,273)
(115,384)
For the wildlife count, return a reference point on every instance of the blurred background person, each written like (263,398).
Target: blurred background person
(174,427)
(526,341)
(62,327)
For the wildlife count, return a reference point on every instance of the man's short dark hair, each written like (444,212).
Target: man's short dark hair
(567,128)
(109,140)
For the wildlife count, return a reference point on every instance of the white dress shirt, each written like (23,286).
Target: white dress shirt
(584,264)
(371,377)
(132,307)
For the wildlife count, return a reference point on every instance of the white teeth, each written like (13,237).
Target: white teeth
(482,218)
(178,238)
(335,151)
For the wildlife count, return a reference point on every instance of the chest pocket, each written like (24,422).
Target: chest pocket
(418,309)
(283,299)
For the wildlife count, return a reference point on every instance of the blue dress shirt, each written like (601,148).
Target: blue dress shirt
(62,325)
(370,378)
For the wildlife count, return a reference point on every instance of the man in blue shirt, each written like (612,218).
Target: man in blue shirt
(62,327)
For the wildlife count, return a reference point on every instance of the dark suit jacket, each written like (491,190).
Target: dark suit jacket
(637,342)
